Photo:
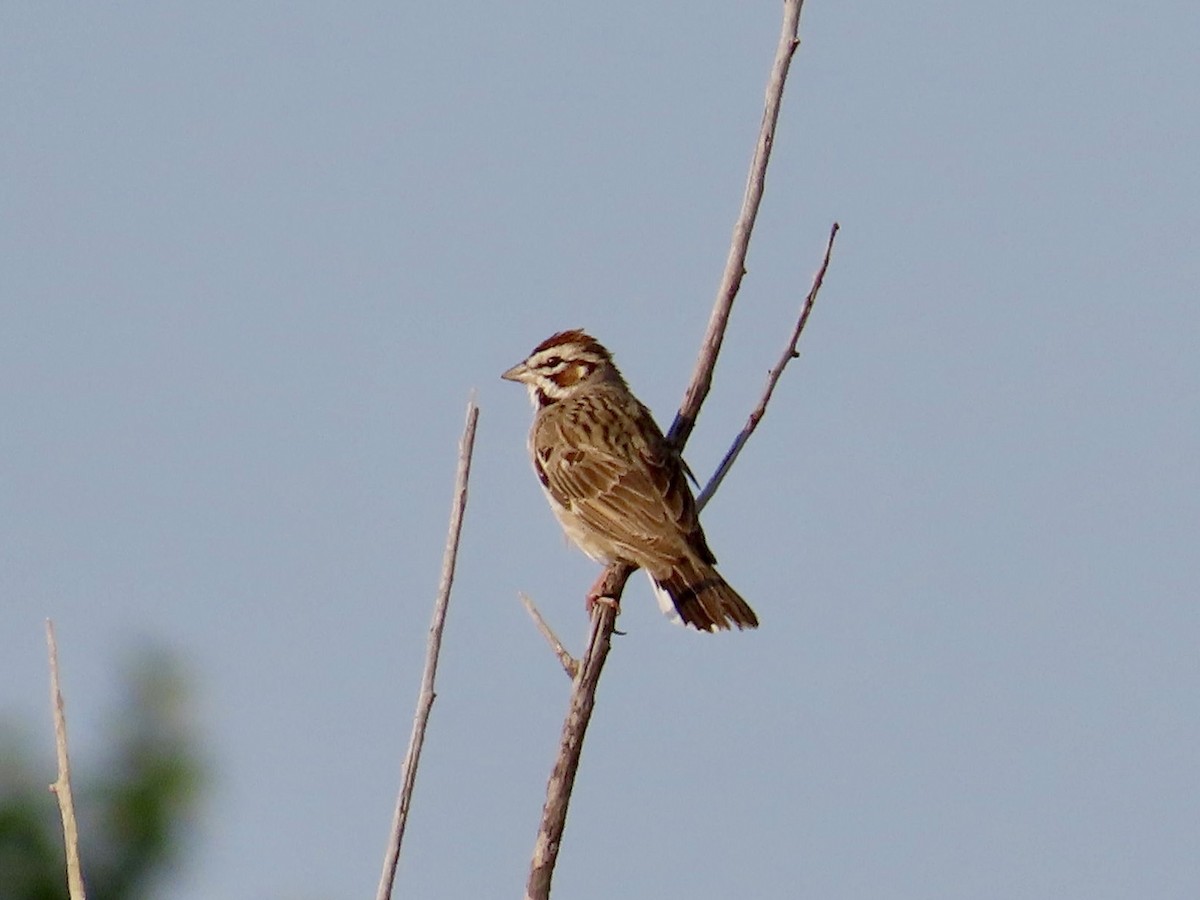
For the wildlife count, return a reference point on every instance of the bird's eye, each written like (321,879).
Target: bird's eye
(553,362)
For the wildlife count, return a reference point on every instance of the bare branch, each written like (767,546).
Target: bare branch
(569,663)
(603,621)
(425,700)
(735,264)
(789,354)
(62,786)
(566,764)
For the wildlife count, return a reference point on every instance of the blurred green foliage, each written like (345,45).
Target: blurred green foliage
(134,806)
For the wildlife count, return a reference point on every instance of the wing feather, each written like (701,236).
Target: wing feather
(630,488)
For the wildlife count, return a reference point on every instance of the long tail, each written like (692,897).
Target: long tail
(702,598)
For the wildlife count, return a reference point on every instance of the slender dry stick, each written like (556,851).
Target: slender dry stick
(425,700)
(735,264)
(603,622)
(569,663)
(790,352)
(62,786)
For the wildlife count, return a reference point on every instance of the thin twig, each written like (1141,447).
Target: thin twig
(789,354)
(569,663)
(62,786)
(603,621)
(425,700)
(735,264)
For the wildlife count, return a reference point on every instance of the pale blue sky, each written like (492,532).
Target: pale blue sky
(255,257)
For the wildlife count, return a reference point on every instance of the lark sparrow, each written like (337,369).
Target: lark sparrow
(617,488)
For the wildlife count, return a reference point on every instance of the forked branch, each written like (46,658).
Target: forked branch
(570,746)
(603,621)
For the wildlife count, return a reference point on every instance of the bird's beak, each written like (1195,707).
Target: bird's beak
(519,372)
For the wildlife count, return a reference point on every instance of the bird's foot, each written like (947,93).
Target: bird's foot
(595,595)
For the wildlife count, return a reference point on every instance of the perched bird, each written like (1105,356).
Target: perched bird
(617,487)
